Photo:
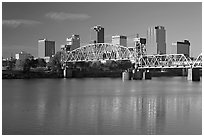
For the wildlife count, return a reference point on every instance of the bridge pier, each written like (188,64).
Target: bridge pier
(67,73)
(147,75)
(126,75)
(193,74)
(138,74)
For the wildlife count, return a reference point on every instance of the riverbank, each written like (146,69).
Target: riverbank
(28,75)
(84,74)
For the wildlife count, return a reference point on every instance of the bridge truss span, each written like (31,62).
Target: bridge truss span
(198,62)
(168,61)
(98,52)
(108,51)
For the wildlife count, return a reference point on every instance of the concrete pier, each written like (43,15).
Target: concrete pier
(138,75)
(193,74)
(125,76)
(147,75)
(67,73)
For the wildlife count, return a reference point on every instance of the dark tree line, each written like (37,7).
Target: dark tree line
(55,64)
(28,63)
(109,65)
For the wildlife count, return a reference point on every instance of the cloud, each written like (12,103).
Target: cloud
(66,16)
(16,23)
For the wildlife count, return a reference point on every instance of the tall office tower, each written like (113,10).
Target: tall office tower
(156,40)
(99,34)
(119,40)
(46,48)
(140,46)
(181,48)
(73,42)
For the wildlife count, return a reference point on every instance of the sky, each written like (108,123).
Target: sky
(24,23)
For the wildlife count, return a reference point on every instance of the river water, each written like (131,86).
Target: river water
(100,106)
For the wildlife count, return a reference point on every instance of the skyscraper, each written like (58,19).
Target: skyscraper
(156,40)
(119,40)
(46,48)
(99,34)
(73,42)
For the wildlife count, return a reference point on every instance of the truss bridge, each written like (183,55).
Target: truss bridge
(107,51)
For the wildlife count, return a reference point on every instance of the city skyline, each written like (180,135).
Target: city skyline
(22,29)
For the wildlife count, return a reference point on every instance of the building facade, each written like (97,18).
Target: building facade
(99,34)
(119,40)
(140,46)
(181,48)
(23,55)
(65,47)
(73,42)
(156,40)
(46,48)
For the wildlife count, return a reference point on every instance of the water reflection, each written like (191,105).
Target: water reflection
(122,109)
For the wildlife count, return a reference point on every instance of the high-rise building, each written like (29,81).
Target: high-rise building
(46,48)
(140,46)
(119,40)
(99,34)
(181,48)
(73,42)
(156,40)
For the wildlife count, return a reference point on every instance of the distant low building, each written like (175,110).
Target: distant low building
(47,59)
(23,55)
(65,47)
(181,48)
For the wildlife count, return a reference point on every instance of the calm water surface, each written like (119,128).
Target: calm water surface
(101,106)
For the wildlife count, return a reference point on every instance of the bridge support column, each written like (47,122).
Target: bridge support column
(193,74)
(138,75)
(147,75)
(130,75)
(67,73)
(125,75)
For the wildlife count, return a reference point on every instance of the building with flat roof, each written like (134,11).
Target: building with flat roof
(46,48)
(23,55)
(73,42)
(119,40)
(181,48)
(99,34)
(156,40)
(65,47)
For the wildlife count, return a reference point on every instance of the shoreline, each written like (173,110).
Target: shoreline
(81,74)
